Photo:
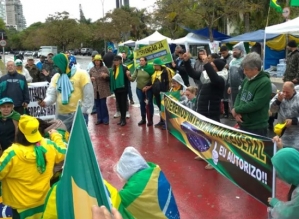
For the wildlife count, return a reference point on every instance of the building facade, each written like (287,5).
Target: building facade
(3,10)
(14,14)
(120,3)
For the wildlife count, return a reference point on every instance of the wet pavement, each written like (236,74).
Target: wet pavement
(200,193)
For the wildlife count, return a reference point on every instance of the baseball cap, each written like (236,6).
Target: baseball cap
(6,100)
(29,125)
(30,58)
(18,62)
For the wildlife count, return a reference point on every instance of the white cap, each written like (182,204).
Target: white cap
(130,162)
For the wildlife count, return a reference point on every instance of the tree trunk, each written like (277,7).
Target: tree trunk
(211,34)
(247,22)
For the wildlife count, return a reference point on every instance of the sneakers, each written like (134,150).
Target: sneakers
(127,115)
(117,114)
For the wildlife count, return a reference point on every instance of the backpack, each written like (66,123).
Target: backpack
(156,87)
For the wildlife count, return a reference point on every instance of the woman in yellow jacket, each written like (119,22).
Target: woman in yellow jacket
(27,167)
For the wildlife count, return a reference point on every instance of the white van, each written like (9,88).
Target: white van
(45,50)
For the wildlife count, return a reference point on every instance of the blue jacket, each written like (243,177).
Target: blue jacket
(15,87)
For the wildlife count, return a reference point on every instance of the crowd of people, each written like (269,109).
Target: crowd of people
(227,85)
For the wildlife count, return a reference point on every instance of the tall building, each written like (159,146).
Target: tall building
(120,3)
(3,10)
(14,14)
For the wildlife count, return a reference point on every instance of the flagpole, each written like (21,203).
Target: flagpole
(264,53)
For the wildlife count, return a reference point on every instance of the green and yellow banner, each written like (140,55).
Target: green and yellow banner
(243,158)
(156,50)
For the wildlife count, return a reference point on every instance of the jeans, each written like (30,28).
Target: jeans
(130,91)
(102,110)
(121,99)
(142,97)
(68,118)
(127,106)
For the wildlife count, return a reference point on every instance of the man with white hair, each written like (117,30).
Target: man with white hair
(251,109)
(13,85)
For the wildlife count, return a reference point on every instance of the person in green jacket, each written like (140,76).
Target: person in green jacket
(252,102)
(144,92)
(286,164)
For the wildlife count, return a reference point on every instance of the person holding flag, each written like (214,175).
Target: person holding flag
(26,168)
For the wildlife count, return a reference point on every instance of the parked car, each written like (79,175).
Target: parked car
(86,51)
(28,53)
(76,52)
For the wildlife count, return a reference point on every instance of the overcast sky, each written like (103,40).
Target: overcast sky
(37,10)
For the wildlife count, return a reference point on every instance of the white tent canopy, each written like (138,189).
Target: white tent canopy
(127,43)
(289,27)
(191,39)
(155,37)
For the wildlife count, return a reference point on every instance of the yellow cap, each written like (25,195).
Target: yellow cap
(279,128)
(97,58)
(29,125)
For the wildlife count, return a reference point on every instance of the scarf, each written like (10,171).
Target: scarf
(64,85)
(148,68)
(40,158)
(117,78)
(13,115)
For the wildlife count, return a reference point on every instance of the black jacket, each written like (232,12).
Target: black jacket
(15,87)
(108,59)
(180,67)
(210,95)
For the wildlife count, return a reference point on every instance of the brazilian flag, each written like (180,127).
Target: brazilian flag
(173,94)
(81,185)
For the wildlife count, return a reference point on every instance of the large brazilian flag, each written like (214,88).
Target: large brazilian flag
(81,185)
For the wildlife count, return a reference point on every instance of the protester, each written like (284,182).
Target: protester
(228,58)
(144,92)
(27,166)
(251,109)
(177,50)
(39,65)
(99,75)
(286,164)
(178,66)
(125,60)
(236,75)
(23,71)
(119,85)
(13,85)
(48,69)
(9,120)
(212,57)
(32,69)
(90,65)
(66,89)
(198,66)
(190,93)
(292,68)
(286,105)
(160,83)
(136,193)
(109,57)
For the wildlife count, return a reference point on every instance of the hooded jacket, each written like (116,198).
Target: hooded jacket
(210,95)
(252,101)
(23,186)
(14,86)
(286,164)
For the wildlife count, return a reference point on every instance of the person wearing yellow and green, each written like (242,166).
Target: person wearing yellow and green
(27,167)
(144,92)
(8,122)
(67,87)
(160,83)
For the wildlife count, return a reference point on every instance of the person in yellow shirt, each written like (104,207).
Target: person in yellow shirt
(26,168)
(68,87)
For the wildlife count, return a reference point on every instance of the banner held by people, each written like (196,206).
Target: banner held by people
(156,50)
(37,92)
(243,158)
